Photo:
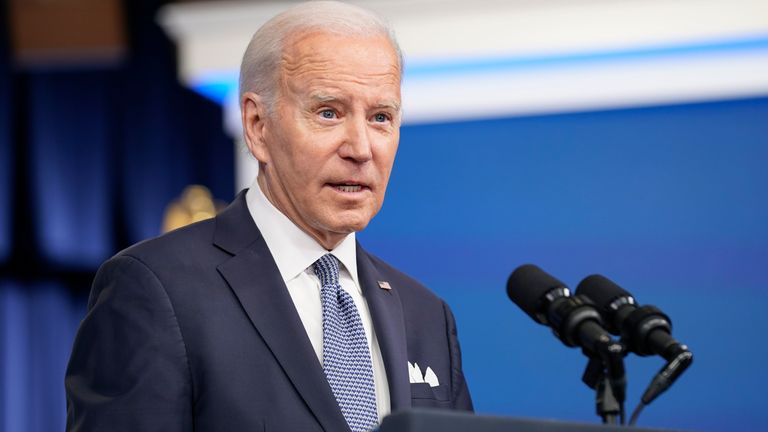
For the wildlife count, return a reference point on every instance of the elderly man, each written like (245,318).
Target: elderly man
(271,316)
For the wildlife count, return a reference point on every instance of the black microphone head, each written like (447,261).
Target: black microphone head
(601,290)
(609,298)
(527,287)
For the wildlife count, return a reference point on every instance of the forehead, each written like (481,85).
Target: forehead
(313,59)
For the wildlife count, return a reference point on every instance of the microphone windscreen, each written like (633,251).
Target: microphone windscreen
(601,290)
(527,286)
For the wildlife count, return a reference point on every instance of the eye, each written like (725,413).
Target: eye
(328,114)
(381,118)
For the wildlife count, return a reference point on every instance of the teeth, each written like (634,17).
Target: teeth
(349,188)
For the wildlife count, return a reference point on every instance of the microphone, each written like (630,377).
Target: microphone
(574,319)
(646,330)
(577,323)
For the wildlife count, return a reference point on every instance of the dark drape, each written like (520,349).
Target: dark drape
(6,172)
(89,158)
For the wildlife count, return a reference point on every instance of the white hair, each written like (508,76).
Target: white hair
(260,69)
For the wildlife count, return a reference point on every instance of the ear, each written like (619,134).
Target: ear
(253,111)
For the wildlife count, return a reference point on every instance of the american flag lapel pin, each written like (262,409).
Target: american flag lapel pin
(384,285)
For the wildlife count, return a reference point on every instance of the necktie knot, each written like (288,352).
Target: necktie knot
(327,270)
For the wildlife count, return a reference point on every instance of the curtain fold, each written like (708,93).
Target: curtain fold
(69,144)
(39,321)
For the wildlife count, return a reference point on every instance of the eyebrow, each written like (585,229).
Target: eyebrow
(325,97)
(393,105)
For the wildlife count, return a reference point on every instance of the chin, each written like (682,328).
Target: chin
(349,228)
(350,223)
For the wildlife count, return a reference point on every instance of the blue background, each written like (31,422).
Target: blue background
(670,202)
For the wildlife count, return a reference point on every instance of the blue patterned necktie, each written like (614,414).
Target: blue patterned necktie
(346,358)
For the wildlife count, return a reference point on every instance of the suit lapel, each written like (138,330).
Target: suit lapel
(255,279)
(388,322)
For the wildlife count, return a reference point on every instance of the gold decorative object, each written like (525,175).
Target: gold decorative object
(194,204)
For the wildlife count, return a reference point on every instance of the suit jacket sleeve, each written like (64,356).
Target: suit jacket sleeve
(460,397)
(128,370)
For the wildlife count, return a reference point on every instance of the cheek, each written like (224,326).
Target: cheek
(293,157)
(309,161)
(305,172)
(386,157)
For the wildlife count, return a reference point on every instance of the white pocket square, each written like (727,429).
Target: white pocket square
(429,377)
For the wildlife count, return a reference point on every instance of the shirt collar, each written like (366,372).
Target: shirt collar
(292,249)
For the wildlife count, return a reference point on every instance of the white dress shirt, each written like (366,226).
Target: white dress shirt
(294,252)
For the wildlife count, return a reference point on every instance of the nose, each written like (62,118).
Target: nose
(357,141)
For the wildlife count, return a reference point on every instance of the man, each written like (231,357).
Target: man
(271,316)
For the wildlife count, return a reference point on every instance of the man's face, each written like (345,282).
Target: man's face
(327,150)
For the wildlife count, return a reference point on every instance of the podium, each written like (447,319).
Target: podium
(423,420)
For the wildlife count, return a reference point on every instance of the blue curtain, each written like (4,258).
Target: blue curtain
(39,321)
(69,165)
(89,158)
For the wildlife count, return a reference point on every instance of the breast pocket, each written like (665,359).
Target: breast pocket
(425,391)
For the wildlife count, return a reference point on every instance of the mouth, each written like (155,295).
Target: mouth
(349,187)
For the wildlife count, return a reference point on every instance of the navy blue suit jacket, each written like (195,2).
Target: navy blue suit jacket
(195,330)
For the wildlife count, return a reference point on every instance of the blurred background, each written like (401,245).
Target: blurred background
(621,137)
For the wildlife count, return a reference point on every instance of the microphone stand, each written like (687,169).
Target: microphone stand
(605,374)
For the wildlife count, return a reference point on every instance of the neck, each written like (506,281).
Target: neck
(327,240)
